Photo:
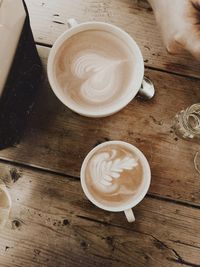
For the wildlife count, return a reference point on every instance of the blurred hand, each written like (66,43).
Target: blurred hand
(179,21)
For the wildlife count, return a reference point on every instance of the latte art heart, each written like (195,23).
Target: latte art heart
(94,70)
(88,62)
(98,73)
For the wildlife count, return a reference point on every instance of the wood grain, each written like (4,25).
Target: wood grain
(49,20)
(57,139)
(53,224)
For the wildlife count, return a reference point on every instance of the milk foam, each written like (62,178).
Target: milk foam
(106,167)
(114,175)
(98,74)
(94,68)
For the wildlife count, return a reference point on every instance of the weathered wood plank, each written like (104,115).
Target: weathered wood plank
(58,139)
(52,224)
(48,20)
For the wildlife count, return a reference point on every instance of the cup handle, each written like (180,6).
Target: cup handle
(129,215)
(147,90)
(72,22)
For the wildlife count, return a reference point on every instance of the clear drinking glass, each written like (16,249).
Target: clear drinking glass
(187,122)
(5,204)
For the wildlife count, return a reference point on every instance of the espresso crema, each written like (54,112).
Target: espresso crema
(113,175)
(94,68)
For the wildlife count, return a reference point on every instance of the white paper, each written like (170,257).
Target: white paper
(12,17)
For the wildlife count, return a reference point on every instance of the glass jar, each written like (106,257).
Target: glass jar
(187,122)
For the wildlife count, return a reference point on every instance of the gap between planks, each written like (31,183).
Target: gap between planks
(36,168)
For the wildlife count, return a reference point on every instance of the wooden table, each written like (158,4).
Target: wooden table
(51,221)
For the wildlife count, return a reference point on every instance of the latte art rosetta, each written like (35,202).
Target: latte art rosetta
(98,74)
(105,168)
(114,175)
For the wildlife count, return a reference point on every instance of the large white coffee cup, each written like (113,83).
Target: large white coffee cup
(137,82)
(136,198)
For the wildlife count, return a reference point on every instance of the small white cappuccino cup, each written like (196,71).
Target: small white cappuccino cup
(137,78)
(101,160)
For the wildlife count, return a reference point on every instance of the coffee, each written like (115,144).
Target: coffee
(94,69)
(114,175)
